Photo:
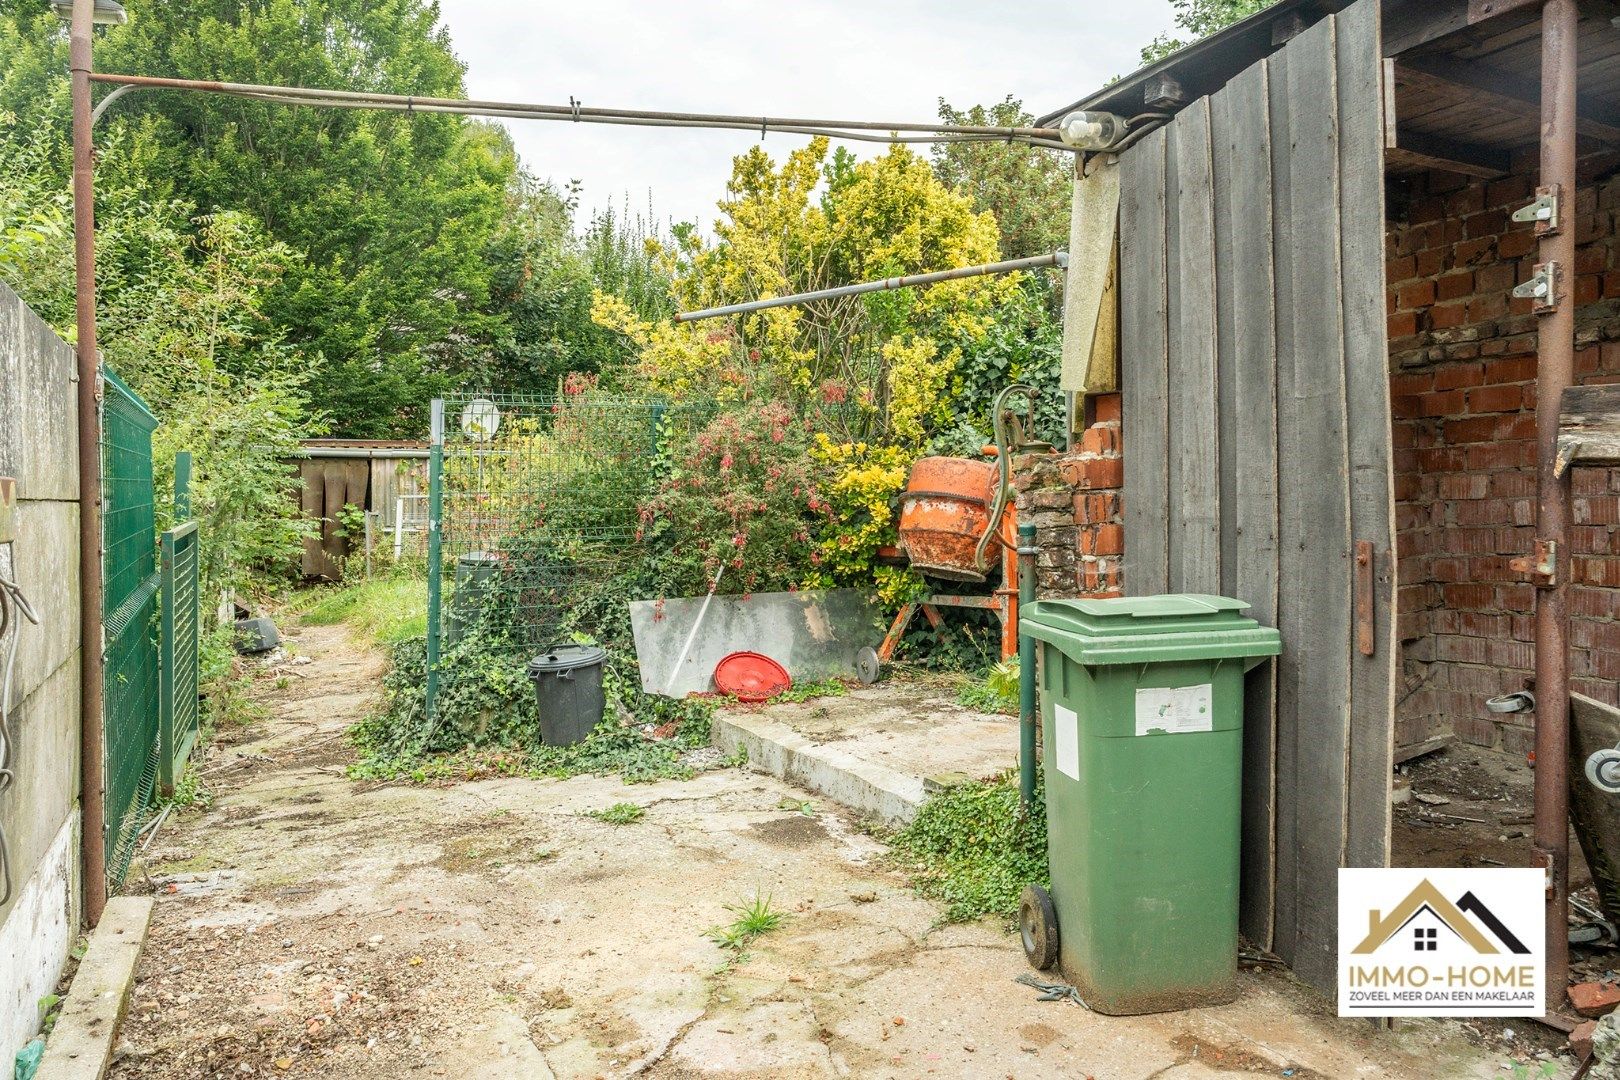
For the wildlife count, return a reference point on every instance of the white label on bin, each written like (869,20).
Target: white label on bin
(1066,733)
(1175,710)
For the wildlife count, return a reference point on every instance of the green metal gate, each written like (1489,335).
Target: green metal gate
(130,618)
(179,713)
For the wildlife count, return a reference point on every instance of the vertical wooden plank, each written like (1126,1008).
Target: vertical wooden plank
(1315,572)
(1285,931)
(1143,373)
(1194,460)
(1366,359)
(1246,367)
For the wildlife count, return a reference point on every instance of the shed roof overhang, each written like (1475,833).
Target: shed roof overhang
(1465,92)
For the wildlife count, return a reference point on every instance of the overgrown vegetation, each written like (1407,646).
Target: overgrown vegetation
(387,609)
(974,848)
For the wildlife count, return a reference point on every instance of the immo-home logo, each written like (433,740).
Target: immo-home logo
(1441,942)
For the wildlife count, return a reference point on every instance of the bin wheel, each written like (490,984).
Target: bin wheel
(867,666)
(1037,926)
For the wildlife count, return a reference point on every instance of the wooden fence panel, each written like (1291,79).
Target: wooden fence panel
(1256,414)
(1247,342)
(1144,325)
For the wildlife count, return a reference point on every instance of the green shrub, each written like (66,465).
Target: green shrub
(973,847)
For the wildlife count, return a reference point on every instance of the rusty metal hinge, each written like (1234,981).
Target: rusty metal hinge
(1541,565)
(1366,638)
(1544,288)
(1544,211)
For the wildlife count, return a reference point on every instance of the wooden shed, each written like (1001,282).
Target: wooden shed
(1330,389)
(383,477)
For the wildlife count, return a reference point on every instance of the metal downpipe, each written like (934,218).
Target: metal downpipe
(92,784)
(1555,368)
(1027,715)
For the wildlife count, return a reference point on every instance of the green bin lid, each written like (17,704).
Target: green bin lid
(1148,629)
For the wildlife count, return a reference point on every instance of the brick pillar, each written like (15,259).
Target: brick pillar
(1073,500)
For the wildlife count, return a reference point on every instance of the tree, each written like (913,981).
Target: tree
(816,222)
(1028,189)
(392,215)
(1200,18)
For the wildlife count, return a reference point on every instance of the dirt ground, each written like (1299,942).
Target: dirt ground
(308,925)
(1472,807)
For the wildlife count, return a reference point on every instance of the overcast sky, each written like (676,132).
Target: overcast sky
(843,59)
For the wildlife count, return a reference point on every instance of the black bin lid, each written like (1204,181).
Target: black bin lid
(566,658)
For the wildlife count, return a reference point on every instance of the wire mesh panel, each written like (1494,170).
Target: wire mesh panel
(538,500)
(130,618)
(178,710)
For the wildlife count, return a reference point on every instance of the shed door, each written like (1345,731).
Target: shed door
(1257,462)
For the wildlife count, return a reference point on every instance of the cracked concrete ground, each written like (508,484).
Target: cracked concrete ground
(310,926)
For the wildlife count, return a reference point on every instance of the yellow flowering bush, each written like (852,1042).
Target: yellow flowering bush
(860,519)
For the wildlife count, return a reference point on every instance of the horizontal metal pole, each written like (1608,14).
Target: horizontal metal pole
(1059,259)
(576,113)
(358,452)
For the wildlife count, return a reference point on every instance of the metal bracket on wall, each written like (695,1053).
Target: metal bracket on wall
(1543,288)
(1366,638)
(1544,211)
(1541,565)
(8,509)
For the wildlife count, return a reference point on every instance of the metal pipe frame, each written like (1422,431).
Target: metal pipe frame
(1059,259)
(92,780)
(1555,369)
(579,114)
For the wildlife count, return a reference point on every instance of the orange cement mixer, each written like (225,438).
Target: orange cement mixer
(957,519)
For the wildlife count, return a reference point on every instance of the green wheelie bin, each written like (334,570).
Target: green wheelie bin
(1142,719)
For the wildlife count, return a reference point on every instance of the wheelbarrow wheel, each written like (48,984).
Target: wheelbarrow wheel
(1037,926)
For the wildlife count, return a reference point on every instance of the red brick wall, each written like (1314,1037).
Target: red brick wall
(1463,366)
(1073,500)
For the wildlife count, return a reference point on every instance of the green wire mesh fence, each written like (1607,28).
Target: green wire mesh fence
(534,503)
(130,618)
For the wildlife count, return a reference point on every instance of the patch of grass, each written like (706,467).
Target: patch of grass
(387,609)
(623,813)
(754,918)
(190,792)
(972,847)
(809,691)
(996,691)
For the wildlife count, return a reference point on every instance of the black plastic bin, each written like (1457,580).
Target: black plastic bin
(568,692)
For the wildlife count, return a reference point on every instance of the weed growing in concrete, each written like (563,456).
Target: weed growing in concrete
(623,813)
(973,847)
(754,919)
(995,692)
(189,791)
(809,691)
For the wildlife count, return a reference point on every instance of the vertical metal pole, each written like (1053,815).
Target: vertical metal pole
(368,516)
(166,665)
(435,572)
(92,781)
(1555,370)
(399,527)
(1027,717)
(182,487)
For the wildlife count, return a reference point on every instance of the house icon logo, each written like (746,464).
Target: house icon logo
(1425,918)
(1441,941)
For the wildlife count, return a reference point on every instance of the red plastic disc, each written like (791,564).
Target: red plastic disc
(748,676)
